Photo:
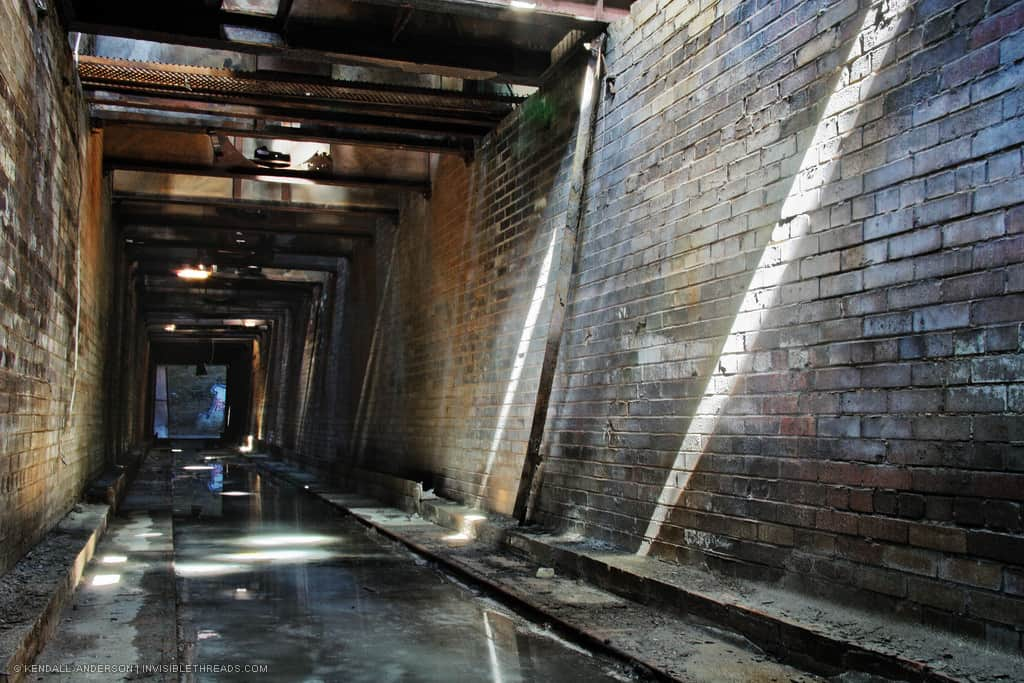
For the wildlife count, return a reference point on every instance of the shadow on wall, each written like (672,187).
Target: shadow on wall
(763,310)
(453,381)
(805,363)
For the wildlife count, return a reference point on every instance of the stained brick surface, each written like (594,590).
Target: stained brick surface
(798,319)
(454,373)
(43,158)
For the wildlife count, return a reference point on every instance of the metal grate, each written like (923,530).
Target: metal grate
(97,72)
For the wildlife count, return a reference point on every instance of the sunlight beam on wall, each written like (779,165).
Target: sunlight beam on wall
(781,252)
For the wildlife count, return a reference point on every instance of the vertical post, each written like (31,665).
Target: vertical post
(567,264)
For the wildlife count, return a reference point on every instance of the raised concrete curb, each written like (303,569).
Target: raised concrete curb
(35,591)
(822,637)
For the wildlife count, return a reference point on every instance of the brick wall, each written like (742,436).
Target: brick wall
(46,153)
(317,431)
(454,371)
(794,349)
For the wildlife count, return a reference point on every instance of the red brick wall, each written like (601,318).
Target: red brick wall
(446,402)
(44,463)
(797,322)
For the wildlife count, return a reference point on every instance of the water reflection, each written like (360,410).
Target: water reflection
(278,578)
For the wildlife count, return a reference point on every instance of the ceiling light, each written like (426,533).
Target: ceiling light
(289,180)
(197,273)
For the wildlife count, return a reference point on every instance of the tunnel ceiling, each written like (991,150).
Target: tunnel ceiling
(361,96)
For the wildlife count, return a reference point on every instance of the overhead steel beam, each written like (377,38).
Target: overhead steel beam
(267,175)
(197,23)
(276,213)
(267,209)
(168,257)
(320,246)
(301,92)
(152,229)
(261,128)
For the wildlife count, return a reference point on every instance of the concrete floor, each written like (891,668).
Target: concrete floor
(123,613)
(272,579)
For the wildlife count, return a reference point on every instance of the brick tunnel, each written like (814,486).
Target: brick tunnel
(465,340)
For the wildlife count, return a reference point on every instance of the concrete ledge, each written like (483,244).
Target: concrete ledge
(108,488)
(819,635)
(33,593)
(402,493)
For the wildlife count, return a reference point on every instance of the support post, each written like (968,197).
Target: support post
(567,265)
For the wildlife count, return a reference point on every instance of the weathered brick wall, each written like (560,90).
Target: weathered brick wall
(454,371)
(797,322)
(318,425)
(43,160)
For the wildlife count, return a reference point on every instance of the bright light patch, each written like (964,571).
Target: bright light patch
(764,288)
(197,273)
(176,450)
(278,555)
(519,362)
(170,328)
(198,468)
(273,540)
(287,180)
(149,534)
(522,4)
(105,579)
(200,569)
(247,446)
(235,494)
(492,652)
(113,559)
(461,536)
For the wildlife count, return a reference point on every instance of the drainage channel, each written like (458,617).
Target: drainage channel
(272,582)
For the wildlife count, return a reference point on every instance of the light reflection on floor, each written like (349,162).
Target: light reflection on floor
(281,579)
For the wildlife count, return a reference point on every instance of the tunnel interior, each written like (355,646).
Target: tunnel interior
(732,287)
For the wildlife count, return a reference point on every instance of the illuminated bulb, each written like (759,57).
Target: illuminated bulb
(198,273)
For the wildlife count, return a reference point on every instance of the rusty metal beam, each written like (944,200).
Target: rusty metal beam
(260,128)
(356,122)
(267,175)
(266,210)
(303,92)
(198,23)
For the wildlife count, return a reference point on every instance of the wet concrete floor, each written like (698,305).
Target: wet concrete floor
(120,624)
(271,579)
